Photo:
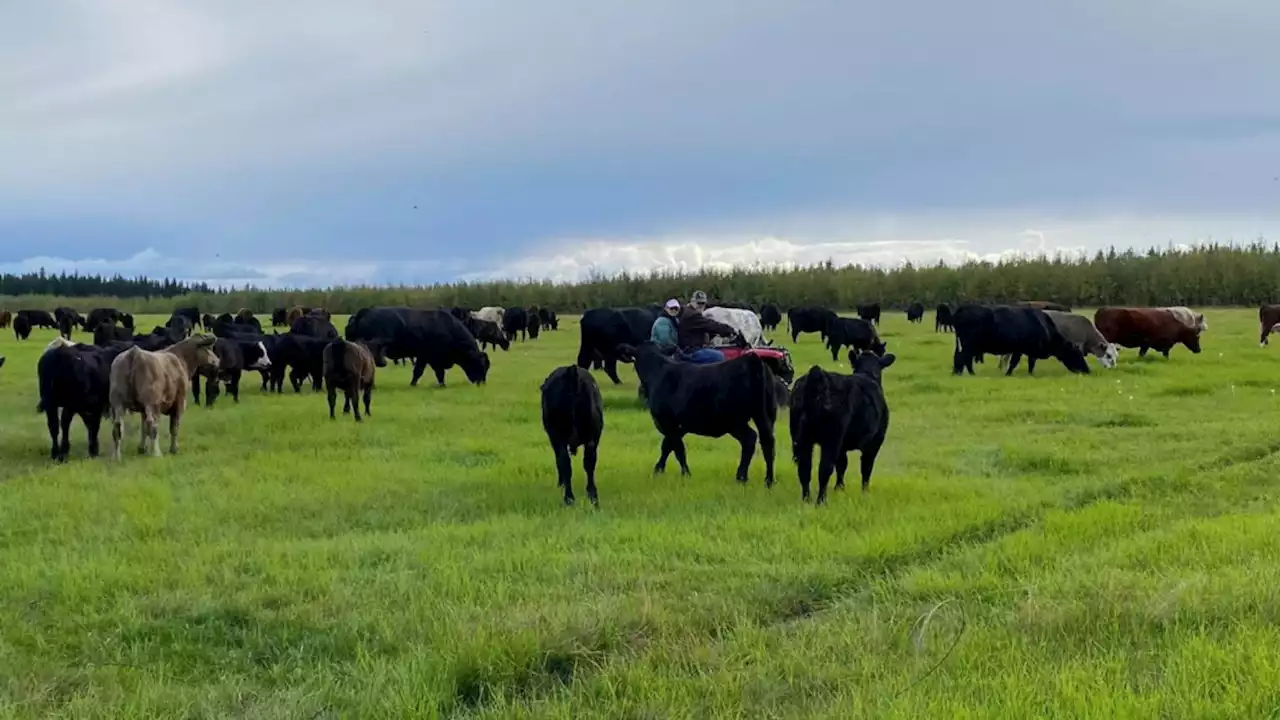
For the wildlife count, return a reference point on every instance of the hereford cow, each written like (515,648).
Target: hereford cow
(74,379)
(154,384)
(349,366)
(605,330)
(1148,328)
(839,414)
(770,316)
(942,319)
(573,417)
(432,337)
(807,320)
(854,333)
(515,321)
(744,321)
(1015,331)
(1268,316)
(915,312)
(709,400)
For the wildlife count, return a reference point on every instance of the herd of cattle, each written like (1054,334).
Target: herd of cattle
(124,371)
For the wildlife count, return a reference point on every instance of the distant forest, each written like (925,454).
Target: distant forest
(1207,275)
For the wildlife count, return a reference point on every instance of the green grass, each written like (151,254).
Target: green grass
(1056,546)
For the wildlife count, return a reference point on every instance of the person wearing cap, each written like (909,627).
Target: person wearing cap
(664,332)
(695,329)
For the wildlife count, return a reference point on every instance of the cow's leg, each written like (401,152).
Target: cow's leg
(826,463)
(1165,353)
(332,396)
(1031,365)
(747,438)
(767,445)
(959,361)
(667,447)
(439,371)
(589,467)
(564,470)
(92,423)
(1014,359)
(611,369)
(678,445)
(802,451)
(175,425)
(868,464)
(419,367)
(368,396)
(211,390)
(795,335)
(353,397)
(233,385)
(195,387)
(842,465)
(835,352)
(51,420)
(1142,351)
(117,431)
(144,419)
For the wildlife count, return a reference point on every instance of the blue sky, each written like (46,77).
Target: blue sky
(289,144)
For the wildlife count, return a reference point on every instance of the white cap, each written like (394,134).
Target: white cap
(673,303)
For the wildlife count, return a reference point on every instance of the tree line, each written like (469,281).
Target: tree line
(76,285)
(1207,275)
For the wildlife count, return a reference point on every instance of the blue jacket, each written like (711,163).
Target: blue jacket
(664,332)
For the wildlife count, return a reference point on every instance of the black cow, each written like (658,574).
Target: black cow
(870,312)
(839,414)
(942,321)
(314,326)
(915,312)
(225,318)
(71,318)
(21,327)
(100,315)
(807,320)
(709,400)
(487,333)
(604,330)
(246,317)
(221,328)
(158,339)
(770,316)
(573,417)
(432,337)
(302,356)
(515,321)
(65,324)
(107,333)
(234,357)
(280,317)
(534,324)
(548,319)
(192,314)
(180,325)
(39,319)
(854,333)
(75,379)
(462,313)
(1015,331)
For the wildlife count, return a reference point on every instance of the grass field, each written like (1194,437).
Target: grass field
(1056,546)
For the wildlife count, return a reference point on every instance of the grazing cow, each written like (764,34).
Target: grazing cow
(1045,305)
(709,400)
(1147,328)
(314,326)
(870,312)
(1268,316)
(107,333)
(302,356)
(839,414)
(491,313)
(39,319)
(573,417)
(744,321)
(855,333)
(1079,331)
(74,379)
(320,313)
(180,326)
(349,366)
(915,312)
(807,320)
(246,317)
(605,330)
(100,315)
(942,321)
(192,314)
(431,337)
(1015,331)
(66,317)
(534,322)
(154,384)
(234,357)
(280,317)
(126,319)
(21,327)
(65,324)
(770,316)
(487,333)
(6,317)
(549,319)
(515,321)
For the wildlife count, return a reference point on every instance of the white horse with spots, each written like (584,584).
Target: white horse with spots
(745,322)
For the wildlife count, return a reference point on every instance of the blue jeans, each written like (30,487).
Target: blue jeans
(704,356)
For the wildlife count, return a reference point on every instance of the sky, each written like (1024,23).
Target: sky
(414,141)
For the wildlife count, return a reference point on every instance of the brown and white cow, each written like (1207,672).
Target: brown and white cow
(1151,328)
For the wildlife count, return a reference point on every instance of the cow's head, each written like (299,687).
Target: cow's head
(263,362)
(626,353)
(476,365)
(1193,344)
(869,363)
(1071,357)
(1108,355)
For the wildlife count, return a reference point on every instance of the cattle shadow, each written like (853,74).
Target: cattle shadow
(1187,390)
